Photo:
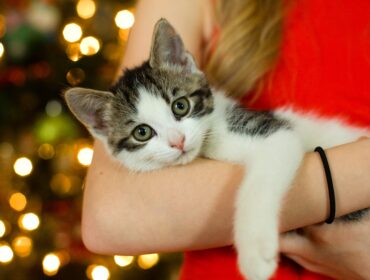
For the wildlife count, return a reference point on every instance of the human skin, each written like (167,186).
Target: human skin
(191,207)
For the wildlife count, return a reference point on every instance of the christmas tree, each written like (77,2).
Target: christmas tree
(45,47)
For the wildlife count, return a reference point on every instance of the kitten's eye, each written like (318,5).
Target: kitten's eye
(143,133)
(181,106)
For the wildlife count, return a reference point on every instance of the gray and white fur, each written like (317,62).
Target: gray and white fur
(164,113)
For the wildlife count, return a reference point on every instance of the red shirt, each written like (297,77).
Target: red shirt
(324,67)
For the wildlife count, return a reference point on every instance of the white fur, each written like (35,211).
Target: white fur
(270,162)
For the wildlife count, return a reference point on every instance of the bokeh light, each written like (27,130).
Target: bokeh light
(1,50)
(75,76)
(89,45)
(51,264)
(2,228)
(85,156)
(53,108)
(29,221)
(123,261)
(124,19)
(73,52)
(85,8)
(23,166)
(18,201)
(46,151)
(72,32)
(22,246)
(97,272)
(147,261)
(6,253)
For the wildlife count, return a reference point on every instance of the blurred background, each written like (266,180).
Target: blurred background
(45,47)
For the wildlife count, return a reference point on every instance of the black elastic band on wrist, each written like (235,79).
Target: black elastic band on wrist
(329,181)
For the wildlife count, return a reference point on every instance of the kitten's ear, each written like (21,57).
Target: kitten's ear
(91,108)
(168,49)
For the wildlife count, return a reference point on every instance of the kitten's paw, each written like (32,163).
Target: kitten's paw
(258,257)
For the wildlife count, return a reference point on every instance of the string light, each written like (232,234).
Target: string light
(85,155)
(85,8)
(73,52)
(29,221)
(72,32)
(2,228)
(23,166)
(51,264)
(75,76)
(1,50)
(124,19)
(148,261)
(46,151)
(53,108)
(89,45)
(18,201)
(123,261)
(22,246)
(97,272)
(6,253)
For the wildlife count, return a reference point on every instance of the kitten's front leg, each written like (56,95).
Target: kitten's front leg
(269,173)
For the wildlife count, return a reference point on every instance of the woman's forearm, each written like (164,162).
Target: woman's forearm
(191,207)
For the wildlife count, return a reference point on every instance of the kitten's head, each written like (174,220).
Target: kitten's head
(157,114)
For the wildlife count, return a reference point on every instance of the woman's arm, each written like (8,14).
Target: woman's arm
(191,207)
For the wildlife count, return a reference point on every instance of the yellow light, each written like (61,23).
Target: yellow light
(6,253)
(86,8)
(100,272)
(85,155)
(89,45)
(72,32)
(123,260)
(124,19)
(73,52)
(2,228)
(22,246)
(29,221)
(23,166)
(18,201)
(60,184)
(50,264)
(46,151)
(148,261)
(1,50)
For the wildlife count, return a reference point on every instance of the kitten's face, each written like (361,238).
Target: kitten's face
(169,122)
(157,114)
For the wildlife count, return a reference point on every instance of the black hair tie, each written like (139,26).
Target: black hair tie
(329,181)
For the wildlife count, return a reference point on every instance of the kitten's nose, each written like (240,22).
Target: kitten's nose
(178,143)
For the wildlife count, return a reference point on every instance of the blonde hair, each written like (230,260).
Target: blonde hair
(248,44)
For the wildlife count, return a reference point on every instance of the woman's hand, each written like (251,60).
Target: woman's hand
(340,250)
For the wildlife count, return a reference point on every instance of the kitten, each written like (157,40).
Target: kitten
(164,113)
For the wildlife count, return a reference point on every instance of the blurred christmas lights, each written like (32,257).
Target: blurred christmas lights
(51,264)
(89,45)
(147,261)
(85,8)
(53,108)
(18,201)
(23,166)
(2,228)
(29,221)
(85,155)
(123,261)
(124,19)
(22,246)
(1,50)
(46,151)
(6,253)
(72,32)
